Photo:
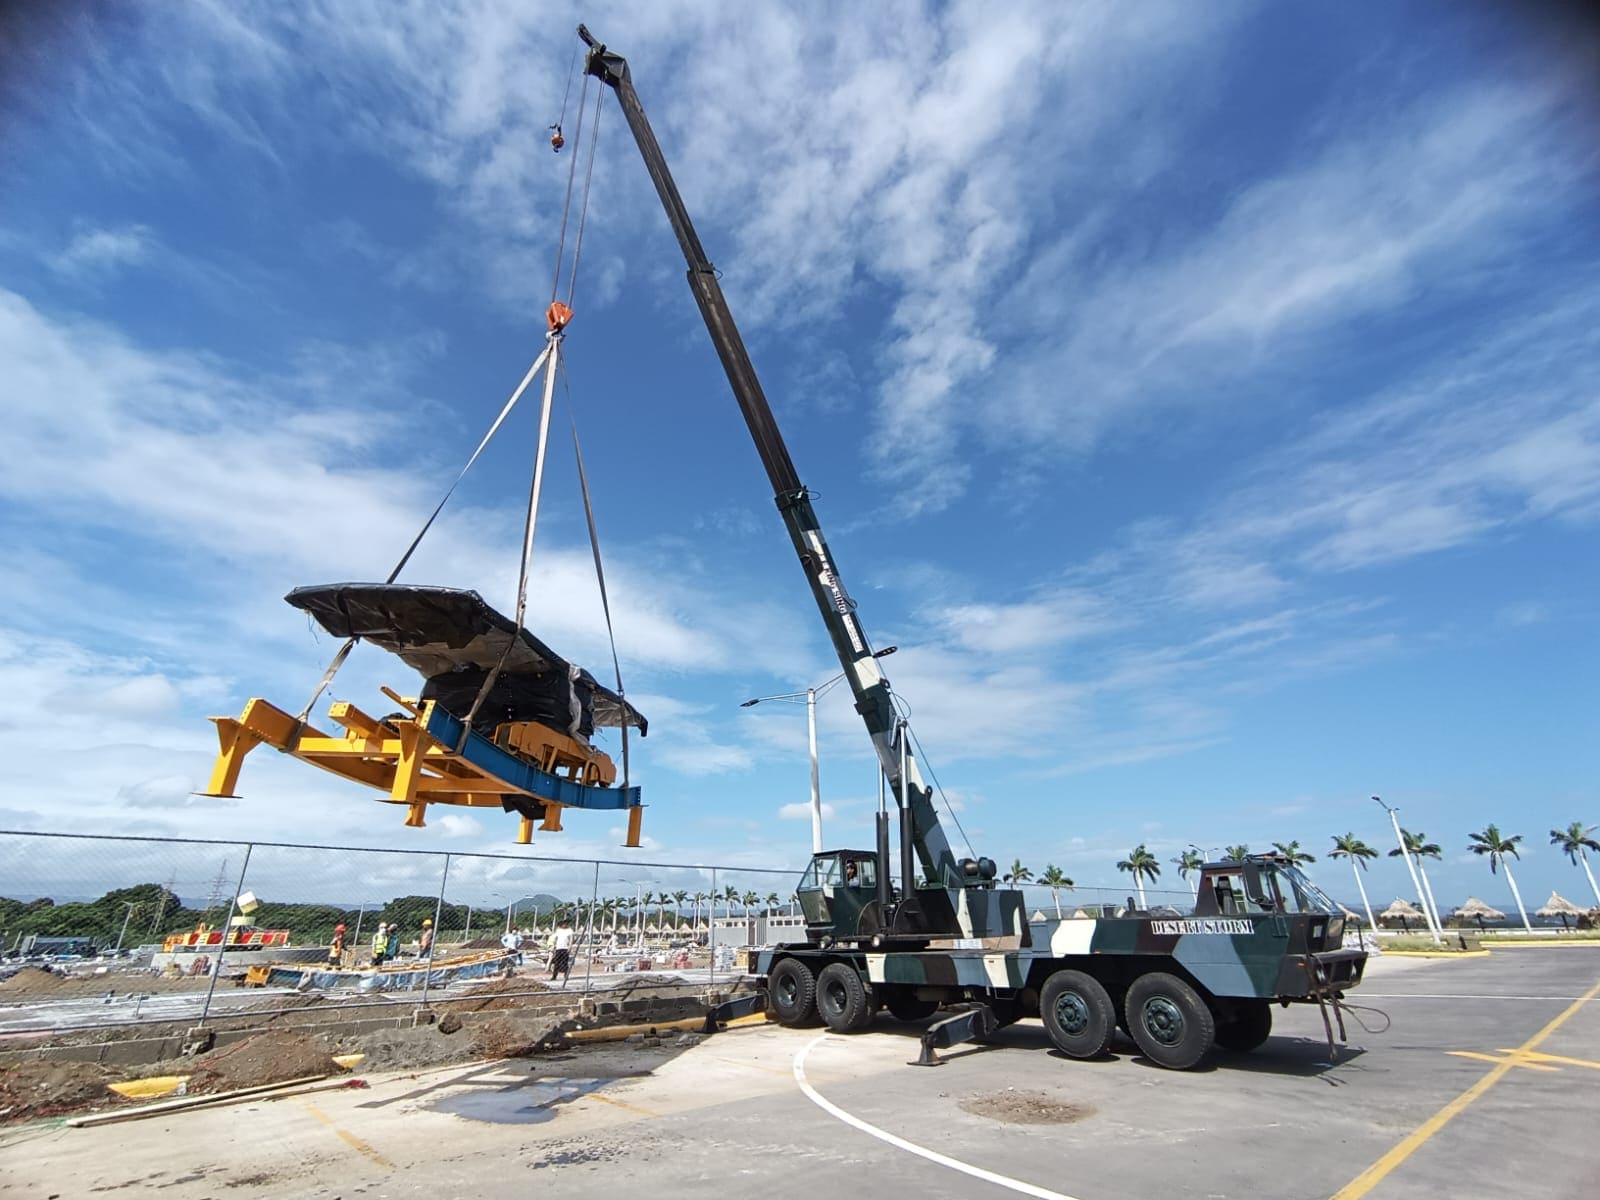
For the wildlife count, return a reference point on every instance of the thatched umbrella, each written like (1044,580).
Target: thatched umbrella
(1403,911)
(1476,910)
(1559,906)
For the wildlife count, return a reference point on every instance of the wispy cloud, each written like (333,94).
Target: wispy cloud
(97,253)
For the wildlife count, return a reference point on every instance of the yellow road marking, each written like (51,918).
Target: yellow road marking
(643,1112)
(1376,1173)
(1516,1059)
(355,1142)
(1539,1056)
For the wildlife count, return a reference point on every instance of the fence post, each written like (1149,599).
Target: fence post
(711,929)
(594,899)
(438,915)
(227,928)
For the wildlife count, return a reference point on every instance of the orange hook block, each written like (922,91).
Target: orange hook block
(557,316)
(556,140)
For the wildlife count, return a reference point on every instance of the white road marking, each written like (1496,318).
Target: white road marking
(1451,996)
(883,1135)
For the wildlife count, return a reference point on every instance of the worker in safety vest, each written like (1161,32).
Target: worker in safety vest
(336,949)
(380,944)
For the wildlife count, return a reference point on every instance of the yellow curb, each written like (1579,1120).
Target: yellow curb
(1434,954)
(1535,943)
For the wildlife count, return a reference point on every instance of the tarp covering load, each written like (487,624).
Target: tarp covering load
(453,639)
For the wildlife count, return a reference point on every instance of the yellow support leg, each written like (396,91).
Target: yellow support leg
(635,823)
(525,832)
(552,817)
(236,741)
(415,813)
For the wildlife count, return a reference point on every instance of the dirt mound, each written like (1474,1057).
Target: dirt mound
(266,1058)
(501,995)
(35,981)
(43,1089)
(504,1037)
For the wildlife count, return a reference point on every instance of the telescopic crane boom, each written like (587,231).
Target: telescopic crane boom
(918,910)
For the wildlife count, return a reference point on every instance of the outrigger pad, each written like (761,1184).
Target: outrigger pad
(453,638)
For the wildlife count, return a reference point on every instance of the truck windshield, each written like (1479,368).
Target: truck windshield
(1300,894)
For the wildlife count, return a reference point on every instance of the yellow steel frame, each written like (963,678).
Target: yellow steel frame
(398,757)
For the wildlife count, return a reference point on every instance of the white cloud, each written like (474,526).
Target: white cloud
(99,252)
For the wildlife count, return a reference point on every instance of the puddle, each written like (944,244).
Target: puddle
(520,1104)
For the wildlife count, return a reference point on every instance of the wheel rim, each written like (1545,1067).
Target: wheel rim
(1163,1020)
(788,991)
(834,995)
(1072,1014)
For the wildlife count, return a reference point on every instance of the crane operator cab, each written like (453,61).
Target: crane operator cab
(839,895)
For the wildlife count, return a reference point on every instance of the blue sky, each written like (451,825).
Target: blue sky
(1200,396)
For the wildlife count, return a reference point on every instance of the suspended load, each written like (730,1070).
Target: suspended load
(522,744)
(501,720)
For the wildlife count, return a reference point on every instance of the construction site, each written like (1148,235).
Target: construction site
(346,994)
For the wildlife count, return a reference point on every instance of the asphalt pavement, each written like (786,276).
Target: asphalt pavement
(1484,1084)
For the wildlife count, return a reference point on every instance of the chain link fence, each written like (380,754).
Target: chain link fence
(120,930)
(124,930)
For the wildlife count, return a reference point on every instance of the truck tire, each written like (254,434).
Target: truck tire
(1169,1020)
(904,1005)
(792,992)
(1078,1014)
(1251,1025)
(842,998)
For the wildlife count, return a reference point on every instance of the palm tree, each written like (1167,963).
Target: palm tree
(1420,848)
(1190,860)
(1018,873)
(772,902)
(730,896)
(1237,853)
(1142,865)
(1351,847)
(677,908)
(749,900)
(1055,879)
(694,925)
(1574,840)
(1292,851)
(1500,851)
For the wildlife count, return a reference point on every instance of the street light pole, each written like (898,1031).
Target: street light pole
(1405,853)
(810,697)
(816,783)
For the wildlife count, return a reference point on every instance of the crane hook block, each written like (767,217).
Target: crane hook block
(557,316)
(556,140)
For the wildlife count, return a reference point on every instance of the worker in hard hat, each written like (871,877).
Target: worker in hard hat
(336,949)
(380,944)
(425,945)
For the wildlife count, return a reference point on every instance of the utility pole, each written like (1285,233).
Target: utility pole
(161,904)
(219,889)
(126,917)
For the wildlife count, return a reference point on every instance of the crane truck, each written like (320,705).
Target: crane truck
(936,929)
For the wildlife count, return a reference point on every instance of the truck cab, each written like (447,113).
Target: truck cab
(1269,885)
